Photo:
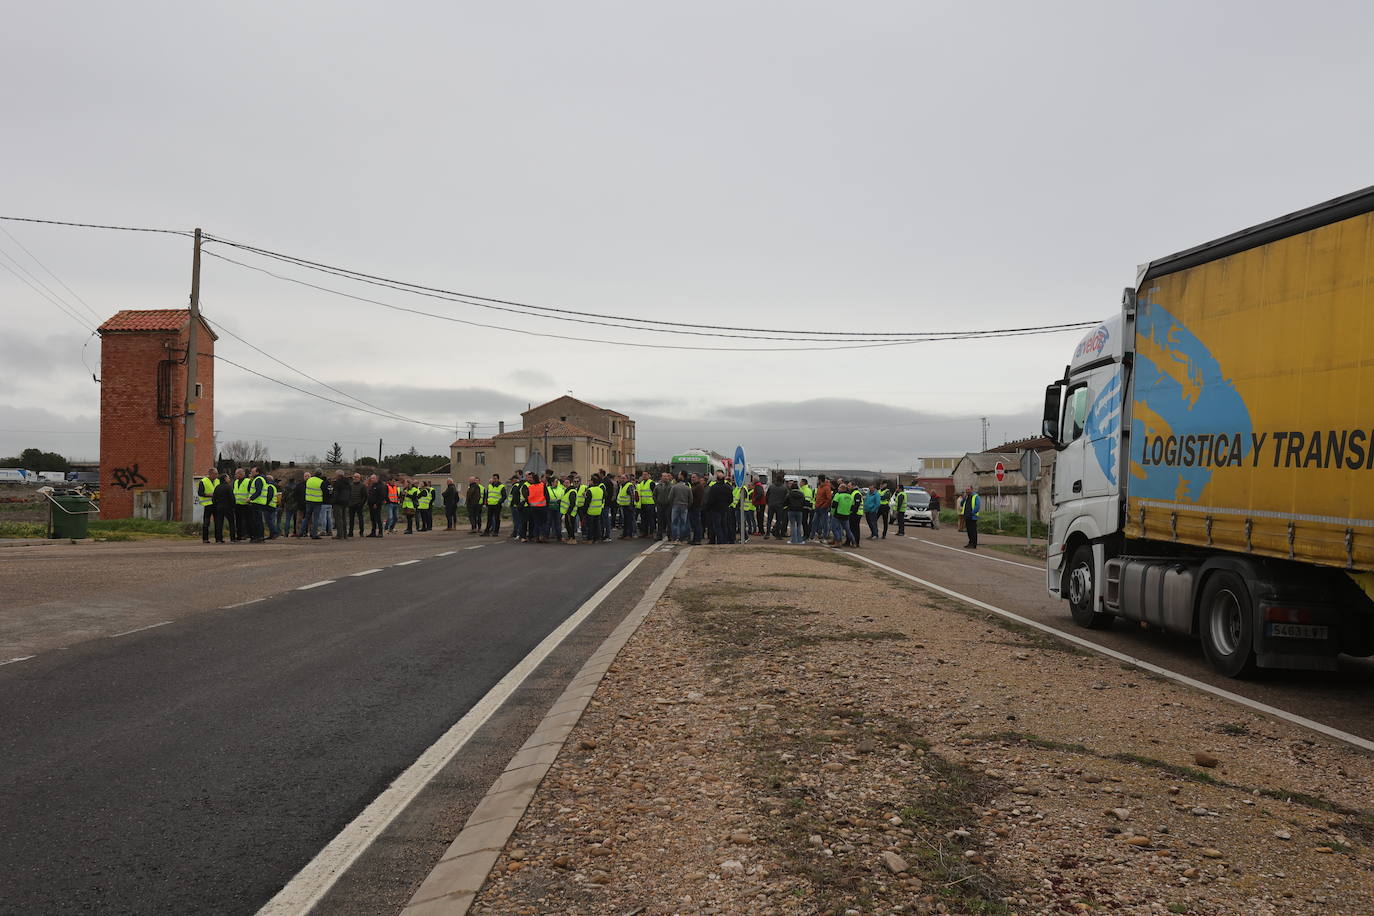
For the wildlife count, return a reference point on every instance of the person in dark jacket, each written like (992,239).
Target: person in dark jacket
(450,505)
(357,502)
(776,498)
(696,508)
(223,501)
(796,506)
(718,496)
(377,500)
(472,501)
(343,495)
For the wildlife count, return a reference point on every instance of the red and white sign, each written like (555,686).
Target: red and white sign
(1001,471)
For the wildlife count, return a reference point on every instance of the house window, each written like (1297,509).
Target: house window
(479,458)
(562,454)
(519,454)
(615,427)
(457,457)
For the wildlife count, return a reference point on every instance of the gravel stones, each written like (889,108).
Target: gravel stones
(821,769)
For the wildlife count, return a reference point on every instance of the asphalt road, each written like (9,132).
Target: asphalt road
(1343,699)
(196,766)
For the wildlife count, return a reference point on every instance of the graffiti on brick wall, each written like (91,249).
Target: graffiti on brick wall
(129,478)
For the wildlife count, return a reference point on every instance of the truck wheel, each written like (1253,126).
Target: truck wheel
(1227,624)
(1083,591)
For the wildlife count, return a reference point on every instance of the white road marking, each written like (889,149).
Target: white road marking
(405,562)
(20,658)
(448,553)
(365,572)
(311,883)
(1302,721)
(138,629)
(316,585)
(475,547)
(981,556)
(229,607)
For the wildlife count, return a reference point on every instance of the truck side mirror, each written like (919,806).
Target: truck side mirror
(1050,426)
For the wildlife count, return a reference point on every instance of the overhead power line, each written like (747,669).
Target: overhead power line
(58,222)
(551,312)
(219,326)
(84,304)
(39,288)
(377,413)
(595,340)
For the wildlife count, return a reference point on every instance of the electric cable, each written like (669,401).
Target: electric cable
(567,337)
(92,312)
(220,326)
(490,302)
(64,309)
(58,222)
(223,359)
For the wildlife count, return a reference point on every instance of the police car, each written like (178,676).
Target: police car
(918,507)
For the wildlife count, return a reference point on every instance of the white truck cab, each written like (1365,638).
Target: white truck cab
(1084,412)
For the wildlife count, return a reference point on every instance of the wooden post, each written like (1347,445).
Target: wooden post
(188,452)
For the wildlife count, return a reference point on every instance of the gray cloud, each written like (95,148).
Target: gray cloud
(923,166)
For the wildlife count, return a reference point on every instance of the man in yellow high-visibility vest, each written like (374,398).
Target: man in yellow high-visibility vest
(205,491)
(242,509)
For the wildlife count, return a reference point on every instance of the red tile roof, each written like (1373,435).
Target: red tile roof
(150,320)
(474,443)
(554,428)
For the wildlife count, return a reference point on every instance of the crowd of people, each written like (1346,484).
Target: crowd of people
(687,508)
(256,507)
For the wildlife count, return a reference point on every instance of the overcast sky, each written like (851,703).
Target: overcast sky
(911,166)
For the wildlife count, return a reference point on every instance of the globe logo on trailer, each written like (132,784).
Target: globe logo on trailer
(1208,405)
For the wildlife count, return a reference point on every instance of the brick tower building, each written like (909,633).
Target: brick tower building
(142,401)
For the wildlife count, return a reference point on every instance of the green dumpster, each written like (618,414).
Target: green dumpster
(69,516)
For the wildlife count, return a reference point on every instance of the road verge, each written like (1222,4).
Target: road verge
(790,731)
(453,884)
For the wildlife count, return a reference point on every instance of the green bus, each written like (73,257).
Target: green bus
(696,461)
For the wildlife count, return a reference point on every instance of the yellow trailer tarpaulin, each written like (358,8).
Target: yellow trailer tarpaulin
(1252,403)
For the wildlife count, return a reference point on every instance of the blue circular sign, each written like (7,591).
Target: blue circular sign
(739,465)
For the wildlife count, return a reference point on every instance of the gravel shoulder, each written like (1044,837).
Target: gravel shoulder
(790,731)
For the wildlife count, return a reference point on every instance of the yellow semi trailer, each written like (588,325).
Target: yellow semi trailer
(1216,437)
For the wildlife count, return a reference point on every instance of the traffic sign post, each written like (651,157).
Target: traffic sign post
(739,482)
(1030,470)
(1001,471)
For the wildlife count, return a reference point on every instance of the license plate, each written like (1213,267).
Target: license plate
(1297,631)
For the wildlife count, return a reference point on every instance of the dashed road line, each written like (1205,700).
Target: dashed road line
(475,547)
(138,629)
(303,588)
(1285,715)
(446,553)
(405,563)
(230,607)
(20,658)
(365,572)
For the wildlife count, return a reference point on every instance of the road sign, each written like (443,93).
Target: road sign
(740,466)
(1001,471)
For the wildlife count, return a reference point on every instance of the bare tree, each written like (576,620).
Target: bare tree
(244,453)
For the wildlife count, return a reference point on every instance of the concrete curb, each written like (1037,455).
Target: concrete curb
(33,542)
(453,884)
